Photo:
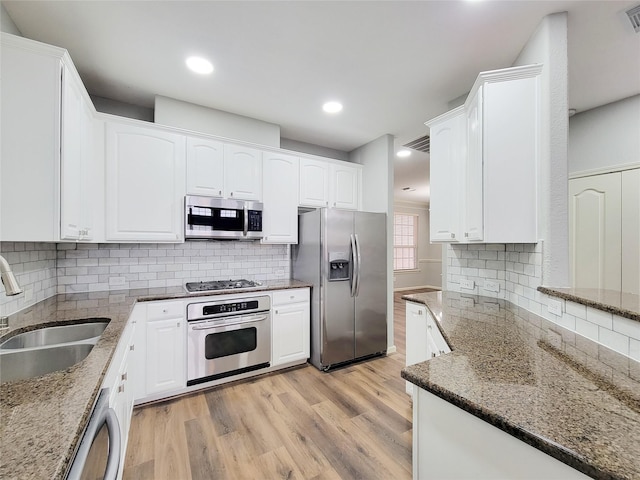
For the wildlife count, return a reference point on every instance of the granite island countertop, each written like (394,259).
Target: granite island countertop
(566,395)
(43,418)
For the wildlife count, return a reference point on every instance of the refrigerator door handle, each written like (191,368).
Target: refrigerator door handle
(357,265)
(354,270)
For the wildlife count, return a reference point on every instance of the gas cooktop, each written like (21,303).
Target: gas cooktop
(220,285)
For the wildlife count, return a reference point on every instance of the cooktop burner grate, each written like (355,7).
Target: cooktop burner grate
(220,285)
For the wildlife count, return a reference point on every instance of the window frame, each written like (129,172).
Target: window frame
(413,246)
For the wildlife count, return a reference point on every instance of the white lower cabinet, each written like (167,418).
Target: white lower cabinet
(162,349)
(120,380)
(424,340)
(449,443)
(290,327)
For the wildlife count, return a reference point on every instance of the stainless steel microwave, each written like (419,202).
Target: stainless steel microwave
(223,219)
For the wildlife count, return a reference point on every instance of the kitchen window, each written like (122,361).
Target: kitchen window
(405,241)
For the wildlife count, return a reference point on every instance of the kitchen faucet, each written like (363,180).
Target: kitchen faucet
(11,285)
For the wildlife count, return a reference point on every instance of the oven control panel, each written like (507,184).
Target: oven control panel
(222,308)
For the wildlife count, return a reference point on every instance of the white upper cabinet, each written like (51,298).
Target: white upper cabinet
(205,167)
(329,184)
(45,110)
(145,183)
(314,183)
(217,169)
(447,157)
(344,182)
(77,166)
(497,198)
(280,198)
(243,172)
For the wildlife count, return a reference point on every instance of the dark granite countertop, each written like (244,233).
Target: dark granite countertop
(624,304)
(43,418)
(570,397)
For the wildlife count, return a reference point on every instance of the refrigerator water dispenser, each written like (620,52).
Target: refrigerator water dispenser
(338,266)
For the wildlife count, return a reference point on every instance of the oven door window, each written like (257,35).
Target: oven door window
(223,344)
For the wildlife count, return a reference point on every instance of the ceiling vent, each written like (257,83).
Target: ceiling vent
(422,144)
(634,18)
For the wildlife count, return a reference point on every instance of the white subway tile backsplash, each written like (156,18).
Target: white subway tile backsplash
(614,340)
(634,349)
(604,319)
(627,327)
(587,329)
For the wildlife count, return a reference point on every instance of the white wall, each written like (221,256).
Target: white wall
(428,273)
(548,46)
(312,149)
(122,109)
(377,196)
(174,113)
(605,137)
(6,23)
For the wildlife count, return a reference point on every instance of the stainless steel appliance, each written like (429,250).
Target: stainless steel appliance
(219,218)
(198,287)
(227,337)
(98,455)
(343,254)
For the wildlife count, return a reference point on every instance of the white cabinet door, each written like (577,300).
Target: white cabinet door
(631,231)
(447,155)
(290,333)
(243,172)
(416,336)
(205,167)
(76,172)
(472,221)
(280,198)
(165,355)
(314,183)
(595,226)
(290,326)
(344,182)
(145,184)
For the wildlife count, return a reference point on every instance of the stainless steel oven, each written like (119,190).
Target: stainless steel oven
(228,337)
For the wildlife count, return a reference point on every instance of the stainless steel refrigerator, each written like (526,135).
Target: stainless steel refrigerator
(343,254)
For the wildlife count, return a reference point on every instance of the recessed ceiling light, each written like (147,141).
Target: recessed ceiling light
(199,65)
(332,107)
(403,153)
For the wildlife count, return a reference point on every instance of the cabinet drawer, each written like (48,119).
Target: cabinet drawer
(295,295)
(163,310)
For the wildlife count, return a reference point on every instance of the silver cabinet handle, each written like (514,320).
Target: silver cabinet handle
(123,376)
(453,235)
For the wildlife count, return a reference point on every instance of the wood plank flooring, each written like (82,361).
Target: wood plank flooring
(351,423)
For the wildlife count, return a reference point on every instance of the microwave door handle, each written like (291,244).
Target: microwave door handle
(246,220)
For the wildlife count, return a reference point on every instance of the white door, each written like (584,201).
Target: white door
(165,355)
(145,184)
(343,186)
(205,167)
(595,223)
(314,183)
(447,155)
(243,172)
(416,336)
(280,198)
(631,231)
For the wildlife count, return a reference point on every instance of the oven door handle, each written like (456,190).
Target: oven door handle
(211,325)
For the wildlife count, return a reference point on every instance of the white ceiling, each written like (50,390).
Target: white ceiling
(393,64)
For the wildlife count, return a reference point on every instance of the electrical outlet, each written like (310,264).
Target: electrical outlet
(117,281)
(491,307)
(491,286)
(467,302)
(555,307)
(467,284)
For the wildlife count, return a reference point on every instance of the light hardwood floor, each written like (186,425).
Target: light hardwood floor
(354,422)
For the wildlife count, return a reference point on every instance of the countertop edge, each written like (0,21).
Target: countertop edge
(589,302)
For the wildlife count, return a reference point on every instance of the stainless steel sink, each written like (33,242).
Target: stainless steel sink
(55,335)
(21,364)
